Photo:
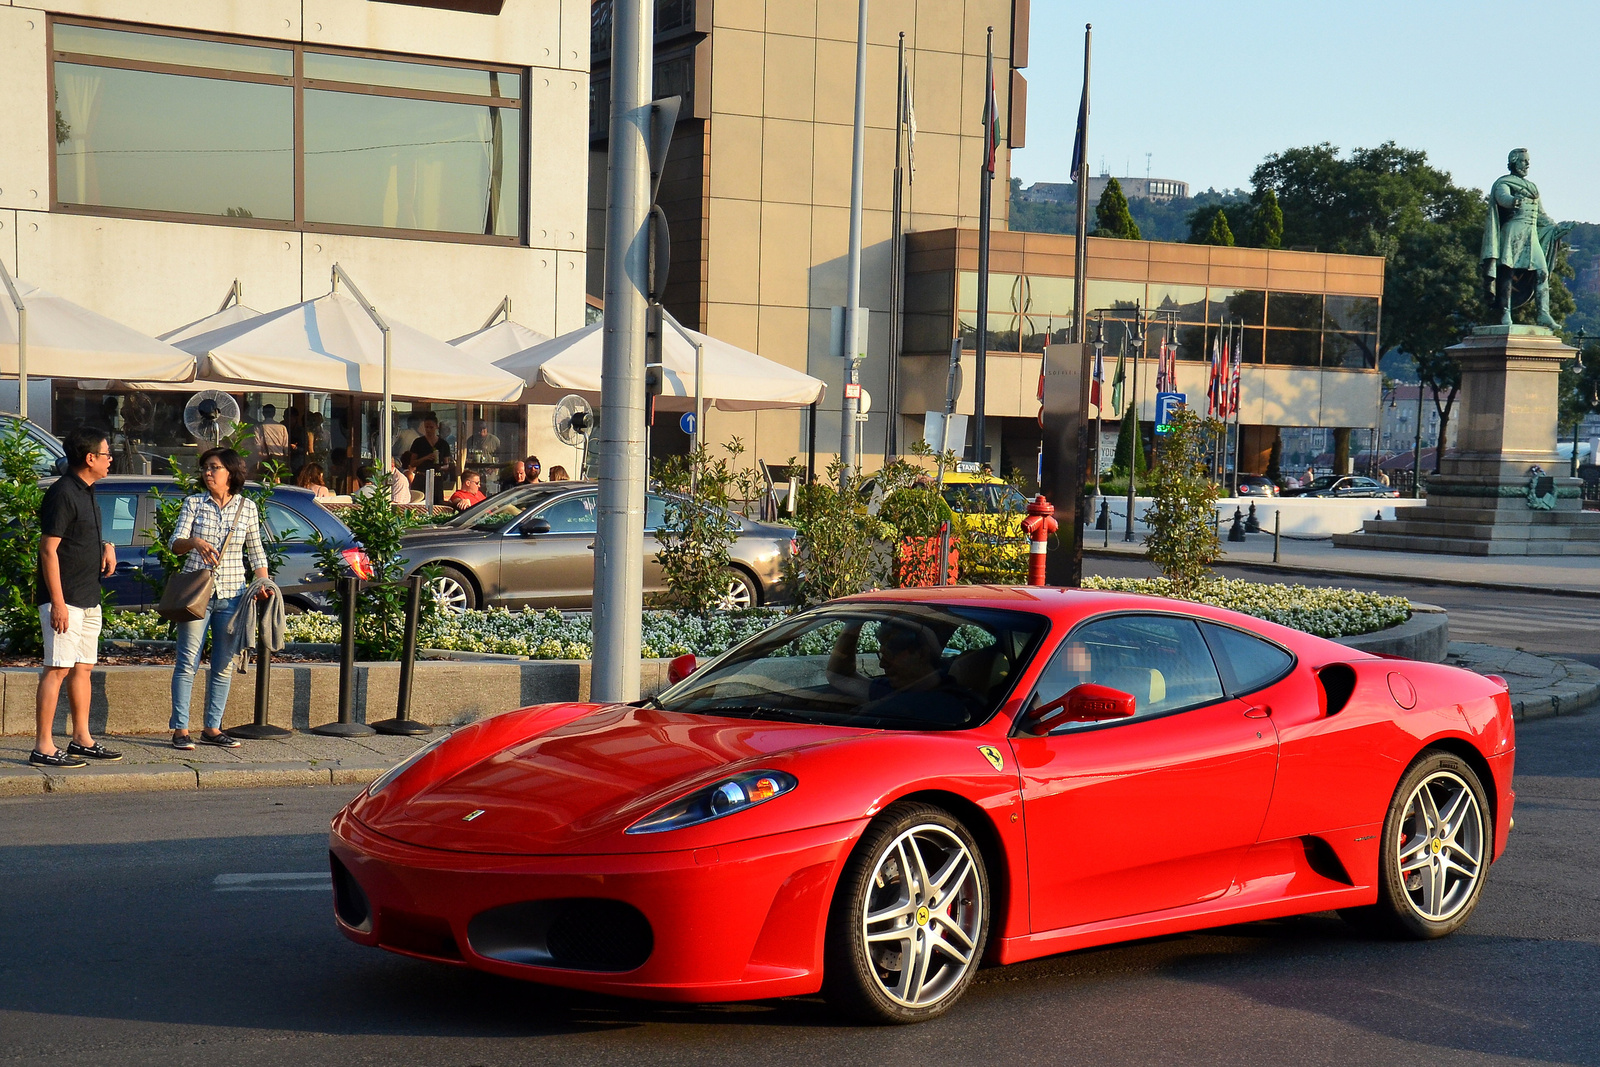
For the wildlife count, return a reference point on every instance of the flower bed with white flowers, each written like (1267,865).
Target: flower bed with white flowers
(549,634)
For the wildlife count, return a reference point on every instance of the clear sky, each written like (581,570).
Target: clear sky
(1211,88)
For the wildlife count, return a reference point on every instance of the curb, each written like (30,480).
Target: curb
(1569,699)
(1425,636)
(1298,568)
(162,777)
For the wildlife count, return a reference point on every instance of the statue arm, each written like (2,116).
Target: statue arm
(1503,194)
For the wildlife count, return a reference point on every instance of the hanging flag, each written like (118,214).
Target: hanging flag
(1120,376)
(1098,377)
(1233,390)
(1081,138)
(1162,385)
(1213,380)
(991,126)
(911,130)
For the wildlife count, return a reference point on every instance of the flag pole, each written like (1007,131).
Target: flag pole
(985,180)
(1235,396)
(1136,444)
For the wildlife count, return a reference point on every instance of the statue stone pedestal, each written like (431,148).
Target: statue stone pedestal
(1478,502)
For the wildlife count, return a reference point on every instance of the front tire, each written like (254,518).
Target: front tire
(910,919)
(1437,841)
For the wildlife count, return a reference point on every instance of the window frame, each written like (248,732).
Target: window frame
(298,84)
(1225,674)
(1072,729)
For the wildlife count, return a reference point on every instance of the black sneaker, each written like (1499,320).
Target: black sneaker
(221,740)
(95,751)
(56,759)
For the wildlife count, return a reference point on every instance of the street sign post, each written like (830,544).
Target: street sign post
(1166,404)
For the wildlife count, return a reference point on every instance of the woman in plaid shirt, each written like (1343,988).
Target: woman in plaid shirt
(203,526)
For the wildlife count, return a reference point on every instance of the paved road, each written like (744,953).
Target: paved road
(1533,622)
(121,946)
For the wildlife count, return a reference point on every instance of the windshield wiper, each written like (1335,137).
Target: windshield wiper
(648,702)
(756,711)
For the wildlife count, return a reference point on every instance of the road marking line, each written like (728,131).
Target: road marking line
(280,882)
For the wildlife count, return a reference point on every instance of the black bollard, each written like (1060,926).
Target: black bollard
(261,728)
(346,726)
(403,723)
(1236,531)
(1251,523)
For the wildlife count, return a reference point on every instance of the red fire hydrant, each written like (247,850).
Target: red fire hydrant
(1040,524)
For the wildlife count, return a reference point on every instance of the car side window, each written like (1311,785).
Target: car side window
(286,525)
(1247,662)
(573,515)
(655,512)
(1161,659)
(119,514)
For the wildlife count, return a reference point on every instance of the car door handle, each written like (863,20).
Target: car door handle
(591,546)
(1258,711)
(129,568)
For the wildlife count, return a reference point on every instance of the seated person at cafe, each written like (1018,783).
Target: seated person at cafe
(470,492)
(512,476)
(399,486)
(558,473)
(430,452)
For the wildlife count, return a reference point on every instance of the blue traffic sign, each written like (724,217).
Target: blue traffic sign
(686,424)
(1166,404)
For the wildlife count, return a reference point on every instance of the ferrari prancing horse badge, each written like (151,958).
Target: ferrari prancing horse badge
(992,754)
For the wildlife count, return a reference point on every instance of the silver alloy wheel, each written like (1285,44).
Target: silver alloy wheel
(1439,850)
(449,594)
(738,596)
(922,916)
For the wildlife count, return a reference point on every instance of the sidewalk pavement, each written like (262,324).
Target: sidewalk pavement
(1557,575)
(1541,686)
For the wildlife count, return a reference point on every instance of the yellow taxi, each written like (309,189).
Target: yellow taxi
(992,511)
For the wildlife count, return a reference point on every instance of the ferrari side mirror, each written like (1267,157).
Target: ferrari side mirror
(1082,703)
(681,667)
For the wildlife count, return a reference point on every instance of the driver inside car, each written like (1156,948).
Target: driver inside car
(912,686)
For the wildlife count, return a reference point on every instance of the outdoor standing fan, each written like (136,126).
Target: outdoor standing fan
(211,415)
(574,422)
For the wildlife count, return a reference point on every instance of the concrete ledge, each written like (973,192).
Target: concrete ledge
(22,782)
(153,777)
(246,775)
(1425,636)
(137,699)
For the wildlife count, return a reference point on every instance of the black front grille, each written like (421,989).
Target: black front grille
(349,902)
(578,934)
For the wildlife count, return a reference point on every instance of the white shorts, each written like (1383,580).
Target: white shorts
(81,642)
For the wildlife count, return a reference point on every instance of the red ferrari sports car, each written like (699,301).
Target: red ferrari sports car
(873,797)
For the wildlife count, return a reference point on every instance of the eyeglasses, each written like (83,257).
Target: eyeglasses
(103,455)
(212,468)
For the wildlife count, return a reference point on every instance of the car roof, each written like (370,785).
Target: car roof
(1068,606)
(955,478)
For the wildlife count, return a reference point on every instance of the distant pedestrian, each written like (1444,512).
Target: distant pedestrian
(558,473)
(531,466)
(73,557)
(310,477)
(205,525)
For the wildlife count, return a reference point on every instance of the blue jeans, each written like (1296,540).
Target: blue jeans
(191,636)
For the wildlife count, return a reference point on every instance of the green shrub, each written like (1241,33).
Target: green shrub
(841,548)
(381,603)
(697,530)
(1182,540)
(20,500)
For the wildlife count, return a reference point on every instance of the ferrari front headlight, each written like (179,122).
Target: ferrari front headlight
(726,797)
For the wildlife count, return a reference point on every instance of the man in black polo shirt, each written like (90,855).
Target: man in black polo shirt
(73,557)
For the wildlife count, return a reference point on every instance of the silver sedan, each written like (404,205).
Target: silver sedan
(534,547)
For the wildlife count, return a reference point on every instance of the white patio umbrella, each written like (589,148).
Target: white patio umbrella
(734,380)
(40,331)
(229,314)
(504,338)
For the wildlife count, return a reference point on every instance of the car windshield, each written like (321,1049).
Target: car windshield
(886,666)
(973,498)
(1325,482)
(500,510)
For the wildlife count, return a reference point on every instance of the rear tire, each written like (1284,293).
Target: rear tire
(1437,841)
(453,591)
(739,591)
(910,918)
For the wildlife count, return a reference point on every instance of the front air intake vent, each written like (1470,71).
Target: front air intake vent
(579,934)
(349,902)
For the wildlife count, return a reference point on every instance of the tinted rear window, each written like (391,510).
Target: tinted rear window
(1248,663)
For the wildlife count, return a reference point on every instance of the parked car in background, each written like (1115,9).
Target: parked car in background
(54,460)
(1344,485)
(128,512)
(534,547)
(1255,485)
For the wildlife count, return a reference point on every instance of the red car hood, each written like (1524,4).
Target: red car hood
(579,786)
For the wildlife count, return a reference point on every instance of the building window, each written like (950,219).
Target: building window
(166,124)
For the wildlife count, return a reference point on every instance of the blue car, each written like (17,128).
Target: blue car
(127,511)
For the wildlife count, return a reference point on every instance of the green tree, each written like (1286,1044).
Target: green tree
(1209,226)
(1111,215)
(1265,221)
(697,530)
(20,500)
(1127,457)
(840,547)
(1183,538)
(1579,390)
(381,601)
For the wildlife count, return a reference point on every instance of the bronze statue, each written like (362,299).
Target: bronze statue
(1519,244)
